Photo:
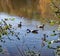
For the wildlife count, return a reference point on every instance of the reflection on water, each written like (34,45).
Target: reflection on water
(28,41)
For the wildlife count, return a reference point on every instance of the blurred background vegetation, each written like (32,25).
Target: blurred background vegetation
(31,8)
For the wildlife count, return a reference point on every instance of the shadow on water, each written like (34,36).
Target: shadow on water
(21,43)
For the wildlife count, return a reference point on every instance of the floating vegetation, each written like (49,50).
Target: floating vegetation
(5,29)
(57,49)
(59,28)
(6,19)
(1,50)
(32,53)
(12,19)
(52,22)
(53,34)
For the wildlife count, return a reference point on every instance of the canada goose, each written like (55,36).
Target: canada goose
(33,31)
(41,26)
(44,38)
(19,25)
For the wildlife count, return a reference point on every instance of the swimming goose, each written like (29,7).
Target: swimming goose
(44,37)
(41,26)
(19,25)
(33,31)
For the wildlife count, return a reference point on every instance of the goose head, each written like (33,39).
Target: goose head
(28,30)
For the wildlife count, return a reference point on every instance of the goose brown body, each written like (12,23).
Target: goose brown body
(41,26)
(33,31)
(19,25)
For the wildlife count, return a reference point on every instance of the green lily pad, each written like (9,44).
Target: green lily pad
(49,42)
(52,23)
(48,46)
(1,50)
(12,19)
(53,34)
(1,22)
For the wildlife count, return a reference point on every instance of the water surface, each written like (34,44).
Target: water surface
(28,41)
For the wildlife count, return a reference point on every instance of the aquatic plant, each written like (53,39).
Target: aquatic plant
(57,48)
(6,30)
(55,7)
(32,53)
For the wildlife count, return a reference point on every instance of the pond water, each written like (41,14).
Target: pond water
(28,41)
